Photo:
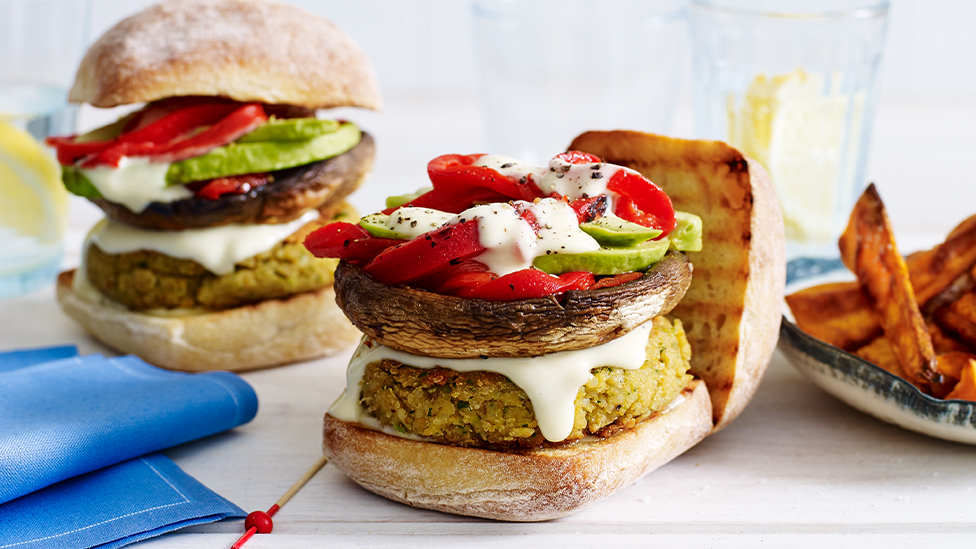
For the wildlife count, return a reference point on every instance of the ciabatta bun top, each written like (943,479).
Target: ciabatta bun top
(246,50)
(732,310)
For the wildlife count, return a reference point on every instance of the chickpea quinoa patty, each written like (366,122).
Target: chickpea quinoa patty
(481,409)
(144,280)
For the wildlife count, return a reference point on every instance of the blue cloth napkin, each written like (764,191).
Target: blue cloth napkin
(112,507)
(76,418)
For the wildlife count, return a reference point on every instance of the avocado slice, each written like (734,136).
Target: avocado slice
(606,260)
(262,156)
(290,129)
(76,183)
(613,231)
(687,235)
(375,224)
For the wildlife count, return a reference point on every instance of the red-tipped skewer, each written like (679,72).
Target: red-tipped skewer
(259,522)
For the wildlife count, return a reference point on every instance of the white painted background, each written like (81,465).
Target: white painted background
(931,43)
(423,52)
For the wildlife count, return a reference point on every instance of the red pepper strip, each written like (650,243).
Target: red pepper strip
(590,208)
(444,282)
(239,122)
(364,250)
(452,203)
(644,202)
(235,184)
(69,152)
(616,280)
(346,241)
(578,157)
(113,154)
(453,173)
(426,255)
(164,130)
(464,281)
(158,109)
(178,123)
(333,235)
(524,284)
(581,280)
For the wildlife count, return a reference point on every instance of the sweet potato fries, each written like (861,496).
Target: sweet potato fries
(914,317)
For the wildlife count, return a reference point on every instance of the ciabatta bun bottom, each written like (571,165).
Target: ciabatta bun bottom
(526,486)
(269,333)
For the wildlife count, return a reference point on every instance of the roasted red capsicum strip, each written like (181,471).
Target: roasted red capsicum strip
(642,202)
(578,157)
(69,152)
(455,173)
(427,254)
(160,132)
(233,184)
(527,284)
(178,123)
(239,122)
(161,139)
(346,241)
(616,280)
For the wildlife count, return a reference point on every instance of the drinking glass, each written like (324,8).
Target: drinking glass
(793,85)
(40,45)
(552,69)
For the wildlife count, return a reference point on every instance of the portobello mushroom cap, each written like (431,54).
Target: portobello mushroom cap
(429,324)
(292,192)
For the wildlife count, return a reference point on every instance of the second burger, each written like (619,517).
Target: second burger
(211,187)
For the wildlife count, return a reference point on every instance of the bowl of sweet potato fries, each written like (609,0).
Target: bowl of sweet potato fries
(892,336)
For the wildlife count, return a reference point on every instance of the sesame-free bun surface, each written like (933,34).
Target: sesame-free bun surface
(269,333)
(521,486)
(732,310)
(247,50)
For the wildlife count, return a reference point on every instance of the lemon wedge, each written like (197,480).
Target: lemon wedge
(805,131)
(34,203)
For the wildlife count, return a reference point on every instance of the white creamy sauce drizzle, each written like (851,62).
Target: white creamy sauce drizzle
(510,167)
(511,242)
(218,249)
(135,183)
(572,180)
(550,381)
(413,222)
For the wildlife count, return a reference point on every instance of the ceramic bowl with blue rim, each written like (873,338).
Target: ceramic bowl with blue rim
(859,383)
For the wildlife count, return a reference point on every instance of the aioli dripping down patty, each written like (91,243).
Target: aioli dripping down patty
(144,280)
(481,409)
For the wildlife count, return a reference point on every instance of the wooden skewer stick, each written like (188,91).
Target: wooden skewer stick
(259,522)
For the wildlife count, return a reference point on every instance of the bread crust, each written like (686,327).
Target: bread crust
(732,310)
(522,486)
(246,50)
(269,333)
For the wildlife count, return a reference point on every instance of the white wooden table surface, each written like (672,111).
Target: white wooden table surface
(797,469)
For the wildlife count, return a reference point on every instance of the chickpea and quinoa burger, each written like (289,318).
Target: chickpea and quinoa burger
(525,351)
(211,186)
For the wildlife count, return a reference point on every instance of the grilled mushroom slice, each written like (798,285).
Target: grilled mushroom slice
(292,193)
(425,323)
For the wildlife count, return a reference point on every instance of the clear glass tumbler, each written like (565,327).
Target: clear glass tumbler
(551,69)
(41,44)
(793,85)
